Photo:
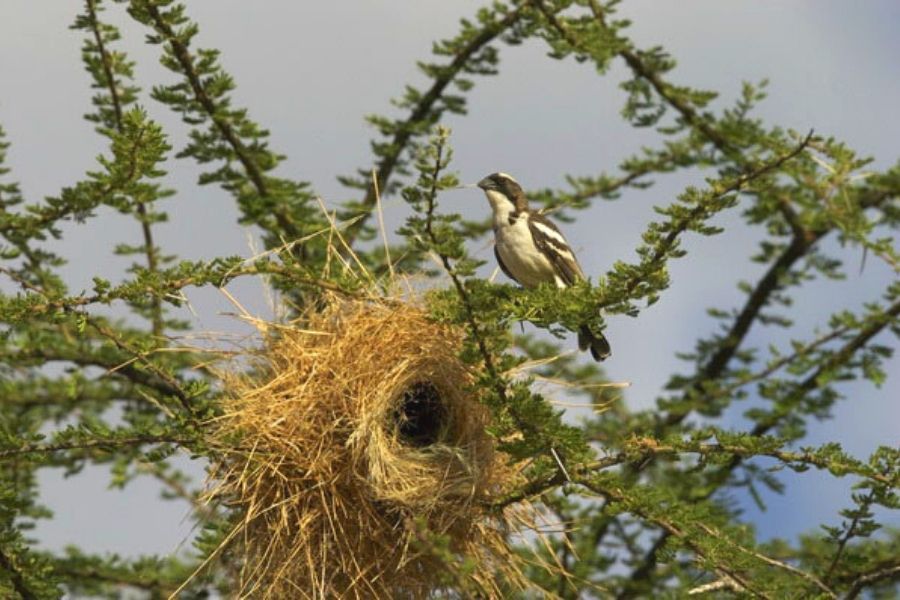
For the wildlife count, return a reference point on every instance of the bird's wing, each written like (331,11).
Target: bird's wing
(550,241)
(502,266)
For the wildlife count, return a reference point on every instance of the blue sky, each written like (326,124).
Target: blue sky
(310,74)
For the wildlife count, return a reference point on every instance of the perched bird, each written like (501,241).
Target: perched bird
(531,250)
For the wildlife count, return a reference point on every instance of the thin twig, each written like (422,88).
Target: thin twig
(848,535)
(404,131)
(16,577)
(763,427)
(174,384)
(672,529)
(149,247)
(95,444)
(770,561)
(253,171)
(486,356)
(868,579)
(735,185)
(840,357)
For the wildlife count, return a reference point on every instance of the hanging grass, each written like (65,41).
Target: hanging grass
(360,462)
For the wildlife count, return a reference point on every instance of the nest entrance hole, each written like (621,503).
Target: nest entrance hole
(421,415)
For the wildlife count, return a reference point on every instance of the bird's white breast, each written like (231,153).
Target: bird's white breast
(519,254)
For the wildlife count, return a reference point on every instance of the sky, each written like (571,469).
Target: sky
(310,74)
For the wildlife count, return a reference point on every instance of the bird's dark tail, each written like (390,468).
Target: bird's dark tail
(596,342)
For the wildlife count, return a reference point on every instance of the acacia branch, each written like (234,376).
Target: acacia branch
(639,450)
(839,358)
(780,363)
(112,86)
(605,186)
(16,578)
(173,384)
(667,244)
(105,62)
(466,300)
(688,113)
(44,217)
(758,298)
(847,536)
(404,133)
(801,242)
(664,89)
(670,528)
(101,444)
(799,458)
(253,170)
(863,581)
(83,358)
(810,383)
(640,69)
(169,287)
(66,400)
(770,561)
(78,575)
(177,488)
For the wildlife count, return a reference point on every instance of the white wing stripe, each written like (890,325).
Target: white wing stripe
(550,233)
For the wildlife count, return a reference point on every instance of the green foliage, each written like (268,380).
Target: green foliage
(646,495)
(281,207)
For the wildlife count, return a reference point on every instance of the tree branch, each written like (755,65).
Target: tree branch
(85,359)
(836,360)
(398,144)
(667,243)
(810,383)
(103,444)
(868,579)
(112,86)
(16,578)
(670,528)
(466,300)
(770,561)
(848,535)
(254,172)
(638,450)
(758,298)
(171,286)
(173,384)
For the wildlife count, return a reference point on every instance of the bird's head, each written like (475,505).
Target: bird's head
(504,192)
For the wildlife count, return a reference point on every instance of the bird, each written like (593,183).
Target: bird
(531,250)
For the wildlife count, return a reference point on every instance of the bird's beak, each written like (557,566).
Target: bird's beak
(485,184)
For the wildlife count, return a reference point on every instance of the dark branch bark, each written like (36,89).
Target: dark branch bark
(759,297)
(104,60)
(840,357)
(464,297)
(16,578)
(659,256)
(860,583)
(149,247)
(102,444)
(848,535)
(254,173)
(670,528)
(386,166)
(82,358)
(763,427)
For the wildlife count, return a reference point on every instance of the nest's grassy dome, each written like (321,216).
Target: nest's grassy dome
(364,463)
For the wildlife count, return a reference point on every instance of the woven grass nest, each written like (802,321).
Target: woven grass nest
(363,466)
